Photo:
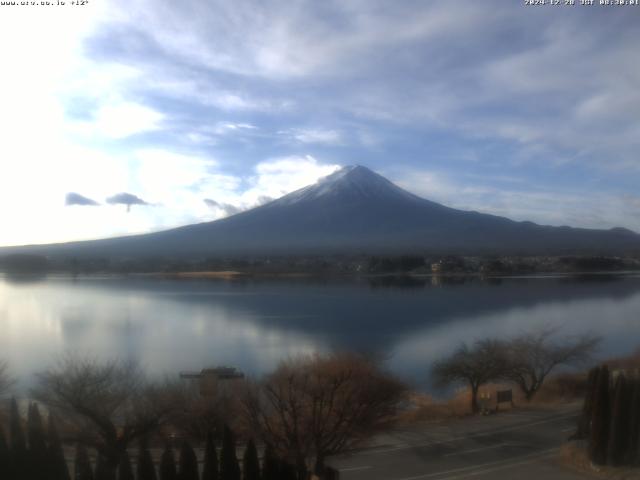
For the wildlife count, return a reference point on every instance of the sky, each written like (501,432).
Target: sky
(120,117)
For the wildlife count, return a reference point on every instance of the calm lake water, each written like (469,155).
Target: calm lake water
(174,325)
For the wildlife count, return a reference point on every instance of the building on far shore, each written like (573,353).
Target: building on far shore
(211,380)
(449,264)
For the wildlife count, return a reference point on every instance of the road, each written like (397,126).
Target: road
(522,444)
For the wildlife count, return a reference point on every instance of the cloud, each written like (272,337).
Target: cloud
(271,179)
(264,199)
(73,198)
(274,41)
(226,208)
(121,120)
(508,197)
(278,176)
(163,170)
(223,128)
(127,199)
(317,136)
(207,135)
(475,71)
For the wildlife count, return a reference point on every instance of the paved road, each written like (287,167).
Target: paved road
(521,444)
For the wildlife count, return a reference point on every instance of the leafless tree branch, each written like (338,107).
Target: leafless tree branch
(315,406)
(534,355)
(6,381)
(109,403)
(474,365)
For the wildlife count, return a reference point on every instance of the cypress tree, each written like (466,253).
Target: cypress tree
(168,465)
(188,463)
(19,461)
(18,442)
(146,470)
(270,466)
(38,458)
(125,471)
(5,456)
(599,435)
(55,453)
(634,437)
(229,468)
(103,470)
(620,415)
(210,469)
(287,471)
(584,422)
(82,465)
(35,431)
(250,464)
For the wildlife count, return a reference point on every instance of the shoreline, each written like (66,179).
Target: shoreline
(237,274)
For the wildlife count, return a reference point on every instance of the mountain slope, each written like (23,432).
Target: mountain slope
(355,210)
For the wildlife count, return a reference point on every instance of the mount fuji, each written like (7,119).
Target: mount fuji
(353,210)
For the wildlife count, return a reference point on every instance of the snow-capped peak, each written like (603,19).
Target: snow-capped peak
(351,181)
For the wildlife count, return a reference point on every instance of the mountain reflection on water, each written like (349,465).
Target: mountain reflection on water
(172,325)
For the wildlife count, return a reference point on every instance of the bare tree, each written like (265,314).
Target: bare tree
(110,404)
(475,365)
(6,382)
(533,356)
(197,415)
(315,406)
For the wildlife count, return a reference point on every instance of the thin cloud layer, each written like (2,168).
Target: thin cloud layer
(226,208)
(491,70)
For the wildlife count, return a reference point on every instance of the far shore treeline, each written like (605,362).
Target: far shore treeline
(345,264)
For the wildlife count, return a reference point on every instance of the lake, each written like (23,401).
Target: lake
(174,325)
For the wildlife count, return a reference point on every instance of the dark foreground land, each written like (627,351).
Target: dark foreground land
(519,444)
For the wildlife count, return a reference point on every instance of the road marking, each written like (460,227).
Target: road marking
(489,447)
(571,429)
(353,469)
(473,435)
(498,464)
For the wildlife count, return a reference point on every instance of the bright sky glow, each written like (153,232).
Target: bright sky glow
(530,113)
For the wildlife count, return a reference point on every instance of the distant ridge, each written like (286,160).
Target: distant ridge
(353,210)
